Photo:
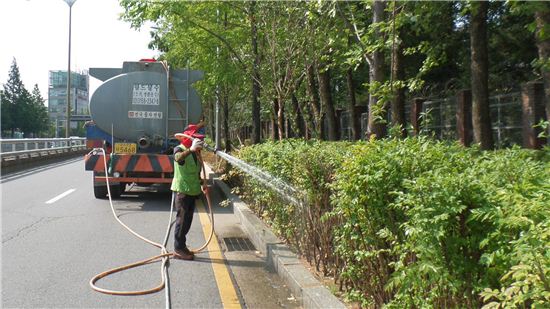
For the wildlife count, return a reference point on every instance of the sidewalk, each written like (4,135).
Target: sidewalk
(257,284)
(271,263)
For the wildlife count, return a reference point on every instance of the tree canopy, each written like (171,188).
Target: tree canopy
(297,64)
(22,110)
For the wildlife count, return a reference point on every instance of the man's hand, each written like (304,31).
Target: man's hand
(205,189)
(197,145)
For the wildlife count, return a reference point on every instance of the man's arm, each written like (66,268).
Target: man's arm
(181,154)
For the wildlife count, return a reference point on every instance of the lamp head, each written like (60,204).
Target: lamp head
(70,2)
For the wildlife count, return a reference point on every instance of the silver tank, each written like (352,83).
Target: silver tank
(135,105)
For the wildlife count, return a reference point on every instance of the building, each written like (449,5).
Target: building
(57,98)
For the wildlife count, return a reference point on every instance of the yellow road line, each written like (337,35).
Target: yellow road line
(228,294)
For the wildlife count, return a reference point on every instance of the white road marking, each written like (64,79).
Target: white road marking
(60,196)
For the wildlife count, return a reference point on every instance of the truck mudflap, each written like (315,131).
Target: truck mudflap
(130,163)
(139,180)
(138,168)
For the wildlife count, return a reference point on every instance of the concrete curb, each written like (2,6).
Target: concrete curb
(304,286)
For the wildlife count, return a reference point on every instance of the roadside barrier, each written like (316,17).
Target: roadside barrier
(15,152)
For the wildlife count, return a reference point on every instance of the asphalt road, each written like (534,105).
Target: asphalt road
(50,251)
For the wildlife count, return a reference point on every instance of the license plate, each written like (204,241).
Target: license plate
(125,148)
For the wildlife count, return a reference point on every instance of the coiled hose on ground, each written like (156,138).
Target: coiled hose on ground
(164,255)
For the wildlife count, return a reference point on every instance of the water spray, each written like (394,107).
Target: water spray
(284,189)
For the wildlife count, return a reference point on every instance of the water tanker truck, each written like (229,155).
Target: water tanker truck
(135,113)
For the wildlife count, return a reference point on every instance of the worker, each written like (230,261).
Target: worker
(187,186)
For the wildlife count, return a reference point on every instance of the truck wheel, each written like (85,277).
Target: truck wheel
(100,192)
(115,191)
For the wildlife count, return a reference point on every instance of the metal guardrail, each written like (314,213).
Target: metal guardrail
(16,149)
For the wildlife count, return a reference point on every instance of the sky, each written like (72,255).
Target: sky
(36,34)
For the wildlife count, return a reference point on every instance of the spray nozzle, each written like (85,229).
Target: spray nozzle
(204,145)
(209,148)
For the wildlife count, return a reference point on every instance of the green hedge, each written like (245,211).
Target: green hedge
(414,222)
(309,167)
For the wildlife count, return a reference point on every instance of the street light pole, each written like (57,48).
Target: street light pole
(68,124)
(217,133)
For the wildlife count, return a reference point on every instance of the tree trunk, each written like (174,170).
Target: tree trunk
(308,118)
(481,119)
(256,121)
(225,107)
(398,102)
(325,94)
(354,124)
(274,125)
(298,116)
(377,113)
(314,102)
(542,18)
(213,118)
(281,118)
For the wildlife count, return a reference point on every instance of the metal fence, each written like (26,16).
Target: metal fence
(506,119)
(438,118)
(14,149)
(345,126)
